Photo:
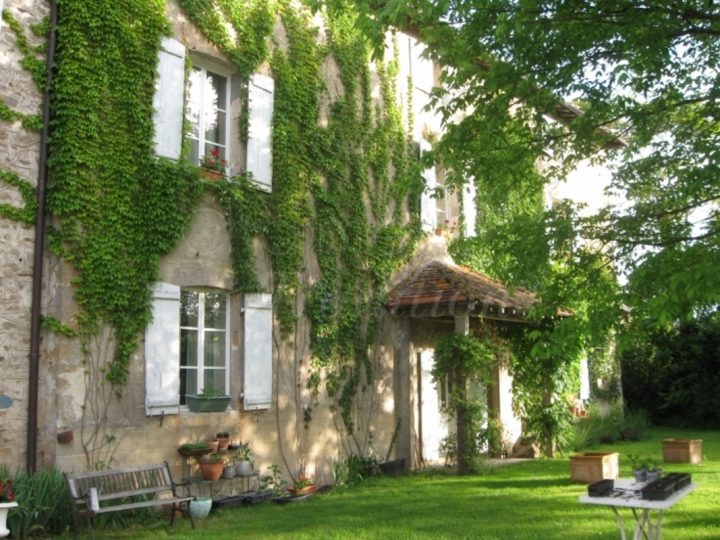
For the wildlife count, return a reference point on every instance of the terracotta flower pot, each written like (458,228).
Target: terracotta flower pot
(210,469)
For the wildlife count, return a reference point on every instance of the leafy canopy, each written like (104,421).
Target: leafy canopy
(642,73)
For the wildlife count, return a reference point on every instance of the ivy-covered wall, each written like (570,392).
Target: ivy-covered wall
(341,218)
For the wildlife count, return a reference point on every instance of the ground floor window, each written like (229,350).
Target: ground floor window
(204,322)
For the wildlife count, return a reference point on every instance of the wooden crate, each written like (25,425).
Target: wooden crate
(591,467)
(682,450)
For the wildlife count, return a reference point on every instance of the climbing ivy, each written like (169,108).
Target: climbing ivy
(352,180)
(246,211)
(27,192)
(118,208)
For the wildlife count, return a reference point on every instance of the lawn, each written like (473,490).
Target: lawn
(530,500)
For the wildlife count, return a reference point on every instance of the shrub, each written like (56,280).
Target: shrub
(617,424)
(43,503)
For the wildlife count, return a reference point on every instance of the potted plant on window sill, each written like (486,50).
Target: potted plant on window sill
(212,166)
(209,400)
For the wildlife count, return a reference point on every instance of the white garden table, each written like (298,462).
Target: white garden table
(648,514)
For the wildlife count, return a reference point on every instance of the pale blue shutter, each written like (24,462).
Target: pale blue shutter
(257,353)
(428,210)
(469,208)
(168,99)
(261,91)
(162,352)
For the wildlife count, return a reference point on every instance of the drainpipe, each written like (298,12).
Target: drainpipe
(36,306)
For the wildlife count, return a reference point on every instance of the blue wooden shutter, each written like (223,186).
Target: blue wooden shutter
(168,100)
(257,353)
(261,91)
(162,352)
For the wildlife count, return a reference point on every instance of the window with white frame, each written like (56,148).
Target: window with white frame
(208,103)
(204,322)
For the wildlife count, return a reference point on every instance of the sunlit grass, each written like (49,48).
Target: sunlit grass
(531,500)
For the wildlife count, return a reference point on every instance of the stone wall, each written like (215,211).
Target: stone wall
(19,153)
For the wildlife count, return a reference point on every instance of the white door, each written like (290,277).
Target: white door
(433,426)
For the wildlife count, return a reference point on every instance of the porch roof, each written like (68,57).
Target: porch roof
(439,289)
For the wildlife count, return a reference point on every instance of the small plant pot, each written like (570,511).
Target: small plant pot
(305,490)
(200,508)
(229,472)
(640,475)
(244,468)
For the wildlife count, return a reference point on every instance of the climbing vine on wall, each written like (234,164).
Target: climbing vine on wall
(118,208)
(352,179)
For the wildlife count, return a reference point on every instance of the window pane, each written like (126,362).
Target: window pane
(214,349)
(194,153)
(188,383)
(188,347)
(219,89)
(215,378)
(215,311)
(215,132)
(189,308)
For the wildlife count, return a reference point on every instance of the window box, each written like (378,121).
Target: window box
(591,467)
(197,403)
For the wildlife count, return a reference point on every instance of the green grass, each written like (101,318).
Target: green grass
(531,500)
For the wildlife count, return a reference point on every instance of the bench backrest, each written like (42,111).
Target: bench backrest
(120,483)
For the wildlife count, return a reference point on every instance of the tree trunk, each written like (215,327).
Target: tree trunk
(464,454)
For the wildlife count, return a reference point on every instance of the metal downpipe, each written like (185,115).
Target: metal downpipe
(39,246)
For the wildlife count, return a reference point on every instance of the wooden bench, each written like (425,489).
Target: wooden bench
(116,490)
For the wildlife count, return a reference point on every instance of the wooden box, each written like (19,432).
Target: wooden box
(682,450)
(591,467)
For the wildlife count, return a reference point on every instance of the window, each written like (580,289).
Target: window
(204,321)
(207,108)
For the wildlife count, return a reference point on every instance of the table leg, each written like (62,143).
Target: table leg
(645,527)
(619,521)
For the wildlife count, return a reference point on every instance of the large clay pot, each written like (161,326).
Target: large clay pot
(211,470)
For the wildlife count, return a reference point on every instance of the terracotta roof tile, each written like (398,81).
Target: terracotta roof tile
(439,283)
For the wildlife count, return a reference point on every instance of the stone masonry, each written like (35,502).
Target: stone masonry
(19,153)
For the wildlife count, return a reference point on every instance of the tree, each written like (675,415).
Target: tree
(632,84)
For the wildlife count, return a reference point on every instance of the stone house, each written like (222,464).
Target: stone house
(304,398)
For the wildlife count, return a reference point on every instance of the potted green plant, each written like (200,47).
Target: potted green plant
(243,460)
(7,501)
(209,400)
(304,485)
(644,469)
(211,466)
(199,448)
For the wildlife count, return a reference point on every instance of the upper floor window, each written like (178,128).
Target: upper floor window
(207,107)
(204,322)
